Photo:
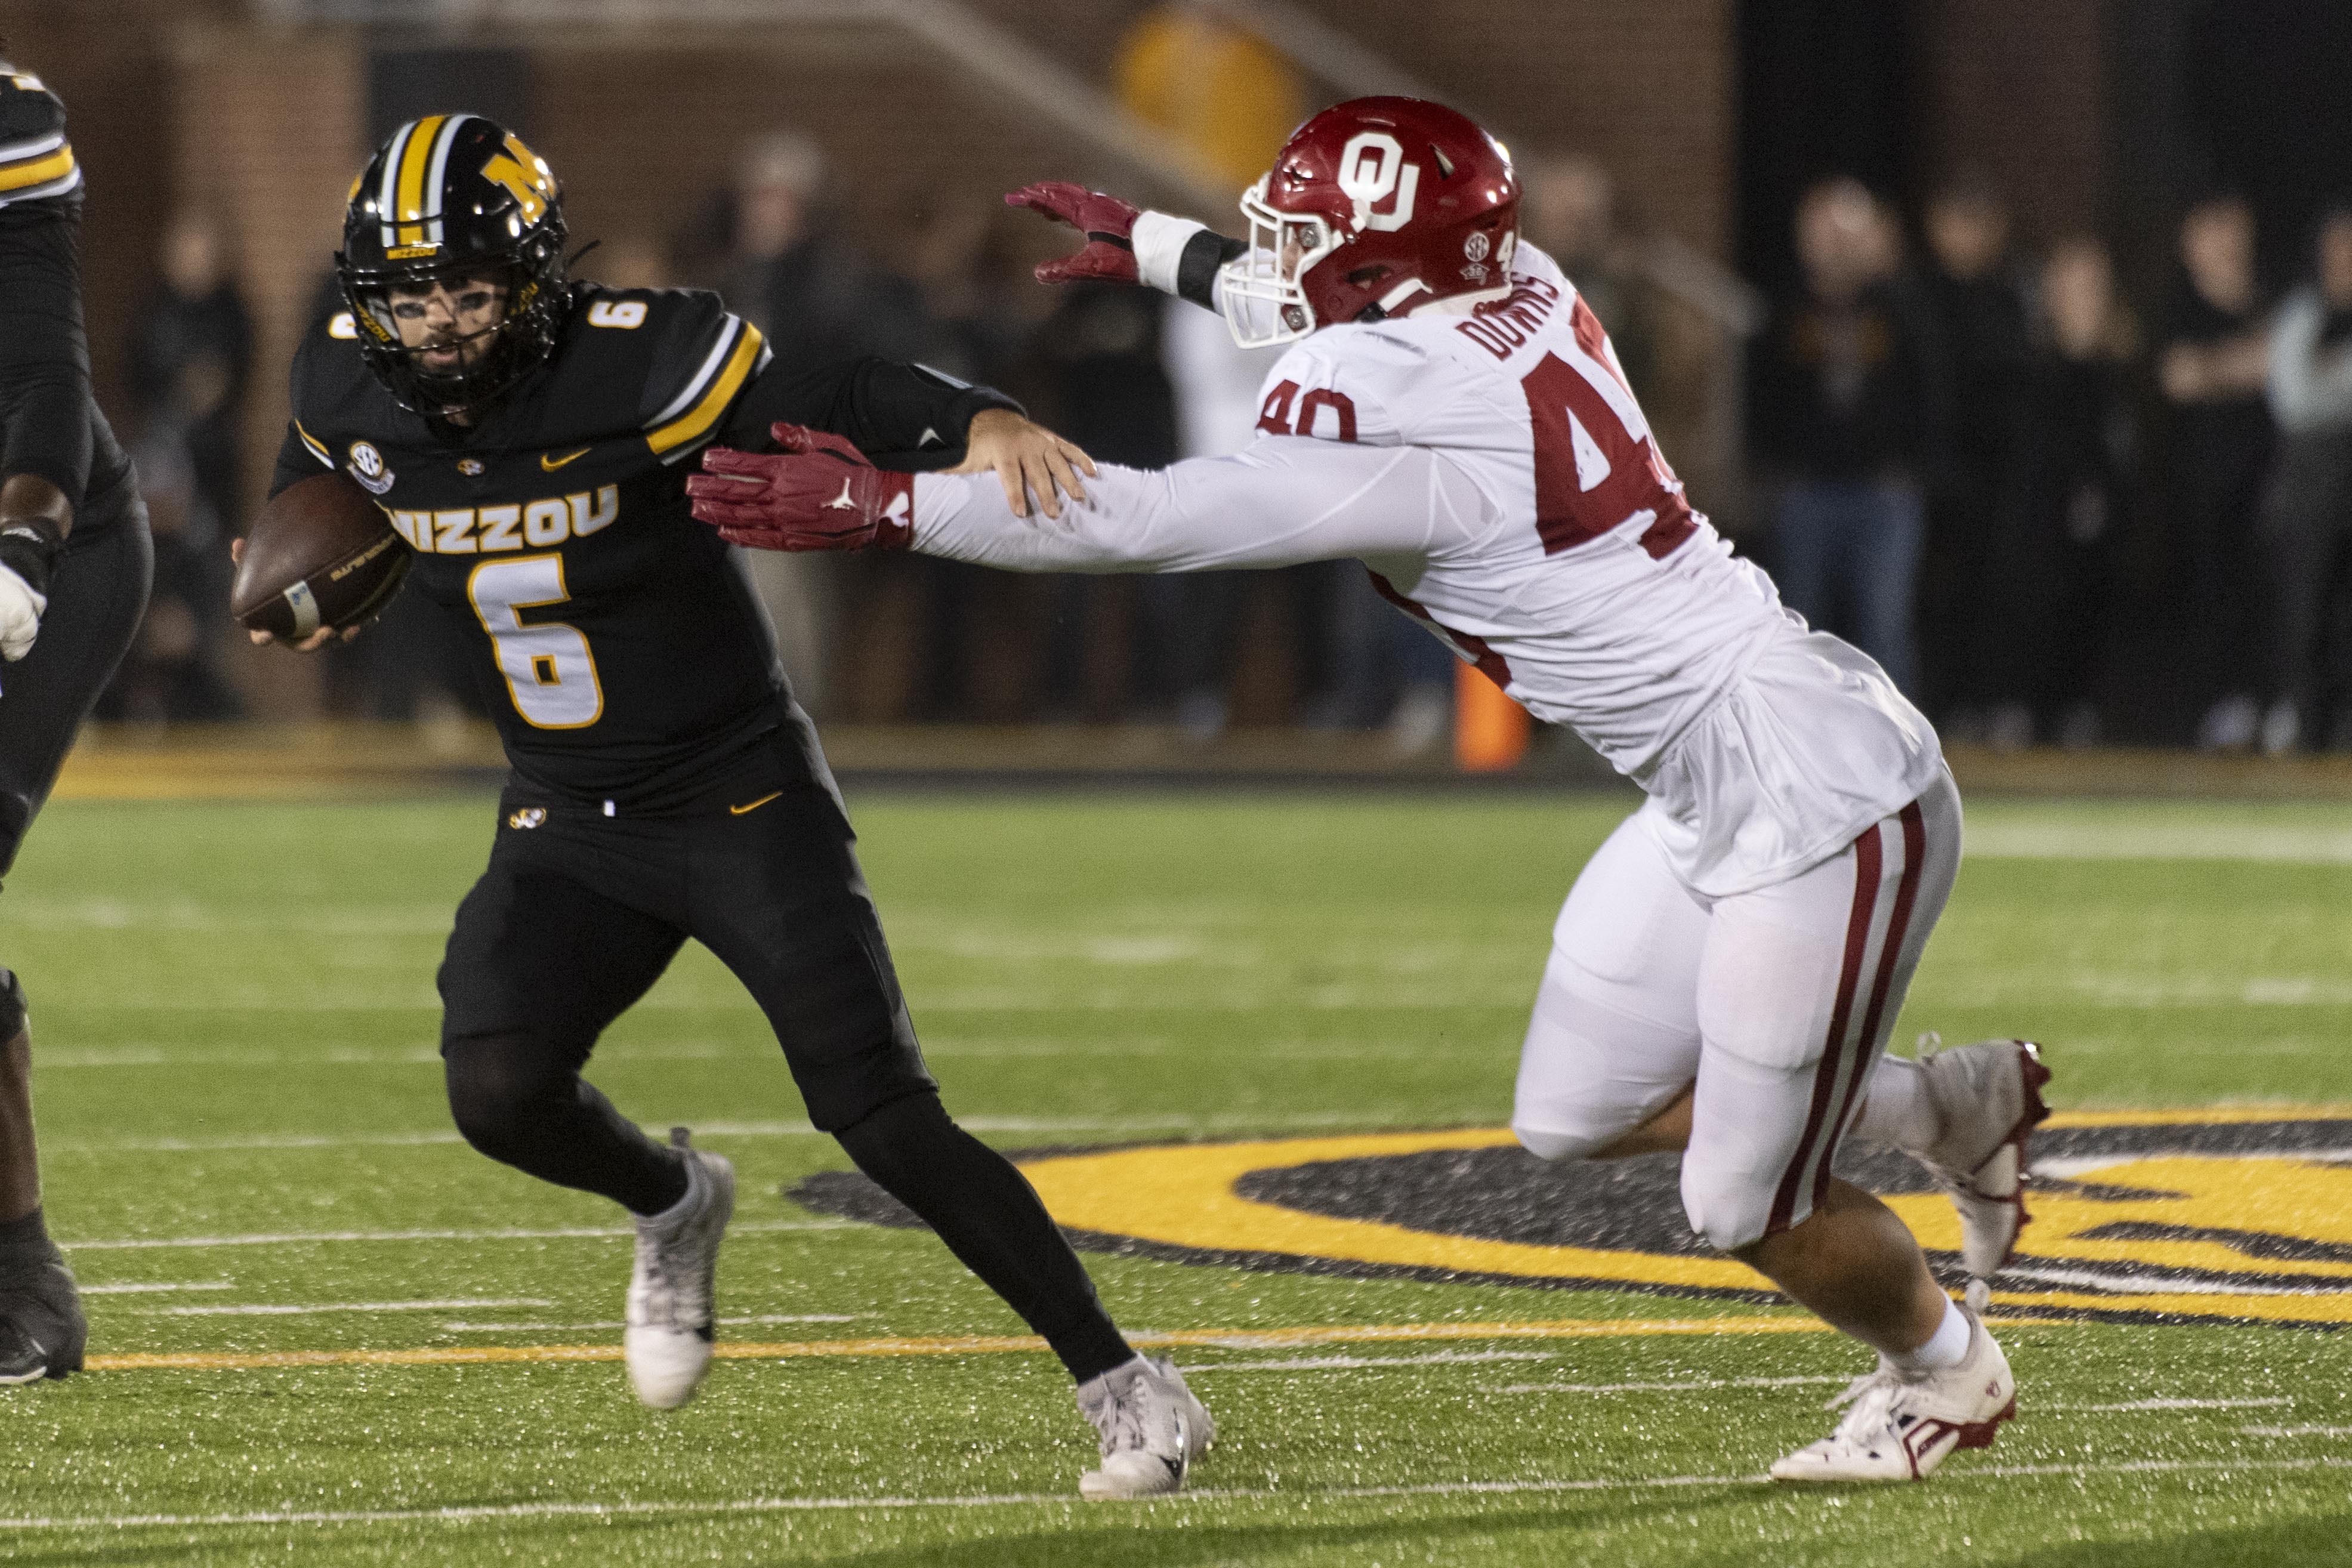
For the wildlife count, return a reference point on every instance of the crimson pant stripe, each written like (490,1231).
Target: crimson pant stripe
(1890,956)
(1857,942)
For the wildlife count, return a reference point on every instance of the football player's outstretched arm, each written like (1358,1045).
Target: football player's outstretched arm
(1128,245)
(913,419)
(1285,500)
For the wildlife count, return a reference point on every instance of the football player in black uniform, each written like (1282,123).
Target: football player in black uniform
(529,439)
(74,563)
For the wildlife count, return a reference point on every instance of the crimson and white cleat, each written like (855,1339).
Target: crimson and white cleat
(668,1342)
(1151,1427)
(1987,1100)
(1900,1428)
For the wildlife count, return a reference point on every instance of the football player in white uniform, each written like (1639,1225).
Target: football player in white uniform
(1728,967)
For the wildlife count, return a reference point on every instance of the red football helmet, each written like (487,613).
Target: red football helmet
(1376,204)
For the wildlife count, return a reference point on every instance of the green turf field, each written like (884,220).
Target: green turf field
(247,1154)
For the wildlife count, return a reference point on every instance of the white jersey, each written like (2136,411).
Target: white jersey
(1497,478)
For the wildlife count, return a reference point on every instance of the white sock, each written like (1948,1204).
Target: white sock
(1947,1347)
(1898,1110)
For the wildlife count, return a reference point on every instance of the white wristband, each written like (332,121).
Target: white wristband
(1159,241)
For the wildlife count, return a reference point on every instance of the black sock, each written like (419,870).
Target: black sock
(990,1218)
(529,1107)
(25,1245)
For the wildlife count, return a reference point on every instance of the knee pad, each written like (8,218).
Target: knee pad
(1591,1072)
(1550,1143)
(1726,1216)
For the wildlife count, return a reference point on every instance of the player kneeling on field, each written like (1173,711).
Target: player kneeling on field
(1727,970)
(526,436)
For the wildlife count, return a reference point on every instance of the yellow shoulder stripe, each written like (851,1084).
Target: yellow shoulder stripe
(696,421)
(317,449)
(38,171)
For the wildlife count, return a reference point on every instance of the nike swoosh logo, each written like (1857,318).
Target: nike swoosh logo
(551,462)
(739,810)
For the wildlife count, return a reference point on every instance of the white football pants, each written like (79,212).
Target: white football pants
(1776,1003)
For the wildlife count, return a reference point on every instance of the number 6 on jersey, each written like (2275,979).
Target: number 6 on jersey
(548,667)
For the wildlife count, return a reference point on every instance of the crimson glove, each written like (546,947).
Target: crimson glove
(818,493)
(1108,223)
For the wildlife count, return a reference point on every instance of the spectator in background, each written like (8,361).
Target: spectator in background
(1971,289)
(1845,420)
(819,302)
(2077,449)
(815,298)
(1231,99)
(190,356)
(1567,207)
(2307,518)
(1111,394)
(2210,369)
(171,674)
(191,353)
(1227,95)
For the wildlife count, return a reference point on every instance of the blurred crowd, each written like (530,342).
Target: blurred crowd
(2053,515)
(2041,507)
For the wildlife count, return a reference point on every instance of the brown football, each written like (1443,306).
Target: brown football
(321,554)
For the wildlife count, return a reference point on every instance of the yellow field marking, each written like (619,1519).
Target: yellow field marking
(2212,1116)
(969,1344)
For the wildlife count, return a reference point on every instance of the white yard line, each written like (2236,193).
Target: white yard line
(1698,1385)
(277,1309)
(617,1323)
(1357,1363)
(2288,844)
(2296,1431)
(298,1238)
(2131,1404)
(1271,1122)
(1295,1498)
(149,1289)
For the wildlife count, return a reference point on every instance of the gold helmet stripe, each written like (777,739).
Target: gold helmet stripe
(416,158)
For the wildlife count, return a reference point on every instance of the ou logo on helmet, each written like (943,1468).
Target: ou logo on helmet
(1372,169)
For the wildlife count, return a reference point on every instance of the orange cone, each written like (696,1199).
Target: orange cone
(1490,731)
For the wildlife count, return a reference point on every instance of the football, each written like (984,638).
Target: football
(321,554)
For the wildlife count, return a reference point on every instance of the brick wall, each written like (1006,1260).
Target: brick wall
(2016,89)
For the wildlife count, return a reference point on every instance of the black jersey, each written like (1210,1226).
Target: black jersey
(48,425)
(617,642)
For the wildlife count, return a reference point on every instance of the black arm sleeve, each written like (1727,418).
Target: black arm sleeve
(1196,270)
(45,405)
(903,416)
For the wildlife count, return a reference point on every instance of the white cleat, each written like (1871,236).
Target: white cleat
(1151,1427)
(668,1338)
(1900,1429)
(1987,1099)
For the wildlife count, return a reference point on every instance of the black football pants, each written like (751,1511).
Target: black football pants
(97,595)
(578,914)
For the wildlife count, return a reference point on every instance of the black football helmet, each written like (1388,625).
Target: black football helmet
(453,196)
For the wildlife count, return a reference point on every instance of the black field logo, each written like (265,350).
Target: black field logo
(2142,1217)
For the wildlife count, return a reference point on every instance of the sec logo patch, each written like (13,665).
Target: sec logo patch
(472,468)
(368,466)
(528,817)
